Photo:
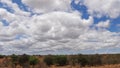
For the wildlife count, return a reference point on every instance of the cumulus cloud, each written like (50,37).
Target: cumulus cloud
(109,8)
(53,31)
(43,31)
(102,24)
(42,6)
(57,31)
(4,14)
(58,24)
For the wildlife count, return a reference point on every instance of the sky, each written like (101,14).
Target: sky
(59,26)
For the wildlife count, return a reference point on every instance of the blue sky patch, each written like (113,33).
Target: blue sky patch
(5,23)
(5,6)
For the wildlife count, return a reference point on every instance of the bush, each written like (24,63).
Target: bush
(24,60)
(82,61)
(60,60)
(49,60)
(33,61)
(73,60)
(14,59)
(2,56)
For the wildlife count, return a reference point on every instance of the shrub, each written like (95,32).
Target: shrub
(24,60)
(48,60)
(82,61)
(2,56)
(60,60)
(33,61)
(14,59)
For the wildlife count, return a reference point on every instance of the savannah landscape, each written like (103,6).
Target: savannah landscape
(60,61)
(59,33)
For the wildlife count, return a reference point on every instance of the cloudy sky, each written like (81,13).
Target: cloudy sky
(59,26)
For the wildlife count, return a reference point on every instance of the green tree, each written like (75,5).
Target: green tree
(33,61)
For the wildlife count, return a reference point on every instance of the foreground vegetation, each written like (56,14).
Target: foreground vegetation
(60,61)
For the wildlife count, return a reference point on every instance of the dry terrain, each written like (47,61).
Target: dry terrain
(104,66)
(6,62)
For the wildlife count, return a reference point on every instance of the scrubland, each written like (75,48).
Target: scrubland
(60,61)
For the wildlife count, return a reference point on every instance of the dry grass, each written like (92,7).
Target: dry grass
(77,66)
(107,66)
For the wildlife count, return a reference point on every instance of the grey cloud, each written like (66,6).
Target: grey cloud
(43,6)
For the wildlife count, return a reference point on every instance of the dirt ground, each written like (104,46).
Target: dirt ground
(104,66)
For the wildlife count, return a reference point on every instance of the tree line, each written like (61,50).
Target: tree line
(28,61)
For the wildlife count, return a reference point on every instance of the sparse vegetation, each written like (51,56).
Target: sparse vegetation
(24,60)
(14,60)
(60,60)
(33,61)
(49,60)
(66,61)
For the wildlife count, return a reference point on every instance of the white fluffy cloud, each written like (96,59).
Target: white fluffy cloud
(52,31)
(41,30)
(102,24)
(100,8)
(42,6)
(58,25)
(4,14)
(55,31)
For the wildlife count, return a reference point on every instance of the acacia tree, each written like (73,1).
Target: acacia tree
(33,61)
